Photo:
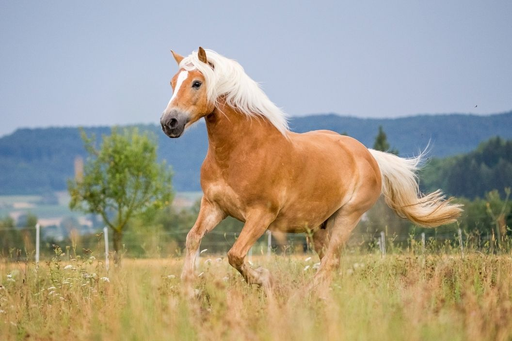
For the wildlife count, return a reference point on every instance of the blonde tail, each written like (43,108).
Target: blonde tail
(401,192)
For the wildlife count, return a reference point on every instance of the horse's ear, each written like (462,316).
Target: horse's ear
(201,54)
(177,57)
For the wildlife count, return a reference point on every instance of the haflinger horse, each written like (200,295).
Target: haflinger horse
(259,172)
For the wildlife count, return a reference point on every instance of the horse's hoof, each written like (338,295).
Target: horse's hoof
(264,277)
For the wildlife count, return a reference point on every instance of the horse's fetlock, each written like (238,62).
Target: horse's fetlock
(235,260)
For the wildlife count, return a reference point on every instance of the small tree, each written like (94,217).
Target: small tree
(122,179)
(381,142)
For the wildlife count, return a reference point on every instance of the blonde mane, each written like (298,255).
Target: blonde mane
(228,78)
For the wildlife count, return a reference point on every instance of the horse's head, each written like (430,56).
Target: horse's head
(189,101)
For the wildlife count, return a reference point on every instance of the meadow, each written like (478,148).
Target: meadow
(373,297)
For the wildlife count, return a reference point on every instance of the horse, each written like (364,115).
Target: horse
(270,178)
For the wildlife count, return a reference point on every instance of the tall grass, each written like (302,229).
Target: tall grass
(397,297)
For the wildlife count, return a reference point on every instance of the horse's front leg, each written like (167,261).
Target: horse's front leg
(257,222)
(209,216)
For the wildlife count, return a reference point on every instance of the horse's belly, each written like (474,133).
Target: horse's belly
(305,218)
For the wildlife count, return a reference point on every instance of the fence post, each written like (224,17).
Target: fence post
(382,243)
(38,241)
(423,242)
(269,243)
(105,234)
(460,242)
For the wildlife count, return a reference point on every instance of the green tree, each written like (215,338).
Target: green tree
(121,180)
(10,238)
(382,144)
(474,174)
(27,220)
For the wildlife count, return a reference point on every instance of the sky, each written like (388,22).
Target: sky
(90,63)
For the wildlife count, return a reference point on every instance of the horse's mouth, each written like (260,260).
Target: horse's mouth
(173,133)
(173,126)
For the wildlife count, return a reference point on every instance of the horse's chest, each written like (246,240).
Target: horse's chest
(226,198)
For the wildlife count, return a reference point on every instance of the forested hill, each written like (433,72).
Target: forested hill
(40,160)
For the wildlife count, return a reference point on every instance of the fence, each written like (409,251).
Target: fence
(27,245)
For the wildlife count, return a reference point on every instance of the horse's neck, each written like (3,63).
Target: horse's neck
(229,130)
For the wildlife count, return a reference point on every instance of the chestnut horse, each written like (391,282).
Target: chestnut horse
(258,171)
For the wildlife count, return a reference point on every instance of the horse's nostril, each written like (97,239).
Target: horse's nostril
(173,123)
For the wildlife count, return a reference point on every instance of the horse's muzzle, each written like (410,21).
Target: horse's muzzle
(173,123)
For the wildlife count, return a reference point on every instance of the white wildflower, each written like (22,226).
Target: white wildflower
(171,276)
(51,288)
(68,267)
(92,258)
(219,259)
(316,265)
(105,279)
(306,268)
(201,274)
(203,251)
(307,259)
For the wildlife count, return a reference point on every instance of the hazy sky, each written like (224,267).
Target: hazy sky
(68,63)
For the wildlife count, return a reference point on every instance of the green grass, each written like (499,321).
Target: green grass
(397,297)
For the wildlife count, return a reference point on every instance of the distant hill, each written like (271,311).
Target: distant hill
(40,160)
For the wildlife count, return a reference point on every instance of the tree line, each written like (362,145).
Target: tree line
(38,161)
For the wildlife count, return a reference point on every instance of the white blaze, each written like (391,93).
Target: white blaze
(182,76)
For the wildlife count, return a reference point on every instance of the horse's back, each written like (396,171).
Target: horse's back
(340,147)
(329,170)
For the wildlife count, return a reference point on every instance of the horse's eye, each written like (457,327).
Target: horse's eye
(196,84)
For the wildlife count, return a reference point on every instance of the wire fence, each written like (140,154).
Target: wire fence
(29,244)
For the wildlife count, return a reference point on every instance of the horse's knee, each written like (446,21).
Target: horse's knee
(192,240)
(235,260)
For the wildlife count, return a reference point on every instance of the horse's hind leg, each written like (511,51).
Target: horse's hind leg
(255,226)
(339,228)
(320,240)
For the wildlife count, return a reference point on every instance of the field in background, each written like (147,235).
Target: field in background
(395,297)
(53,213)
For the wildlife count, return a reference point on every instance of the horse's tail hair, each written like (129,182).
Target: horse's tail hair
(401,192)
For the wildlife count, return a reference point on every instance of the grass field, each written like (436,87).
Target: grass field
(396,297)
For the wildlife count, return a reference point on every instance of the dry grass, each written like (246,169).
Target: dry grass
(398,297)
